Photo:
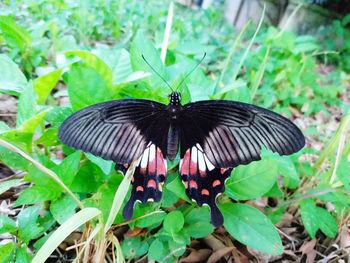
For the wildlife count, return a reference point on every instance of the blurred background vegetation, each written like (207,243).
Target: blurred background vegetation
(58,56)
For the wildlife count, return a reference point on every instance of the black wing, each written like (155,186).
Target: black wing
(216,136)
(117,130)
(232,133)
(125,131)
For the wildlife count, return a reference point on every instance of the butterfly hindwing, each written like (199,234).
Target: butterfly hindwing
(148,179)
(203,181)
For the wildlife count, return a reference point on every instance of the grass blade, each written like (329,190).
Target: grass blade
(63,231)
(167,31)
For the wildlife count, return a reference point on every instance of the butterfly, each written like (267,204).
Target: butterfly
(211,136)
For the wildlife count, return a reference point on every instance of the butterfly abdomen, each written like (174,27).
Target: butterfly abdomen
(173,142)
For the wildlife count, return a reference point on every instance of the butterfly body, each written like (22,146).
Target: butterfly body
(212,137)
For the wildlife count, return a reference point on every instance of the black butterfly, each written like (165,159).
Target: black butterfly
(213,136)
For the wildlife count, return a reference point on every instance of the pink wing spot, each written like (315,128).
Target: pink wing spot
(193,184)
(205,192)
(223,170)
(152,184)
(193,161)
(202,173)
(152,166)
(216,183)
(139,189)
(185,167)
(161,169)
(143,170)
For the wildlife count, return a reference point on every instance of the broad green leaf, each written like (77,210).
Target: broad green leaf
(174,222)
(94,62)
(12,80)
(36,194)
(86,87)
(309,216)
(30,125)
(68,168)
(15,35)
(156,250)
(6,185)
(63,208)
(43,85)
(197,223)
(22,255)
(27,223)
(254,180)
(134,247)
(177,187)
(3,127)
(151,219)
(57,115)
(141,46)
(327,222)
(252,228)
(6,252)
(106,166)
(7,225)
(26,104)
(61,233)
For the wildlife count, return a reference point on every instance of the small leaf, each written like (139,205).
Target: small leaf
(27,223)
(86,87)
(26,104)
(252,228)
(134,248)
(36,194)
(309,216)
(7,225)
(174,222)
(68,168)
(22,255)
(12,80)
(197,223)
(6,252)
(328,224)
(177,187)
(106,166)
(156,250)
(252,181)
(63,208)
(43,85)
(151,219)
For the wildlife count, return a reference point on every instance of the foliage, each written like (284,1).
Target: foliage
(91,54)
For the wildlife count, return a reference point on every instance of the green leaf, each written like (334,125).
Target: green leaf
(134,248)
(36,194)
(6,252)
(252,181)
(177,187)
(57,115)
(12,80)
(327,222)
(88,179)
(106,166)
(309,216)
(30,125)
(252,228)
(3,127)
(95,63)
(13,160)
(86,87)
(63,208)
(27,223)
(174,222)
(7,225)
(68,168)
(43,85)
(22,255)
(156,250)
(4,186)
(26,104)
(197,223)
(151,219)
(15,36)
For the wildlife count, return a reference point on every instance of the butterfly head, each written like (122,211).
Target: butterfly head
(175,98)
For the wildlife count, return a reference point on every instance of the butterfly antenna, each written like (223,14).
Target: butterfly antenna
(189,73)
(160,76)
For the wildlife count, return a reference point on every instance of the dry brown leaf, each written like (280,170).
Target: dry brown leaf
(213,242)
(218,254)
(345,238)
(196,256)
(308,249)
(137,231)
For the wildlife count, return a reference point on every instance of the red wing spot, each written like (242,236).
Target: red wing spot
(202,173)
(152,166)
(193,184)
(223,170)
(205,192)
(139,189)
(161,169)
(152,184)
(185,167)
(142,171)
(216,183)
